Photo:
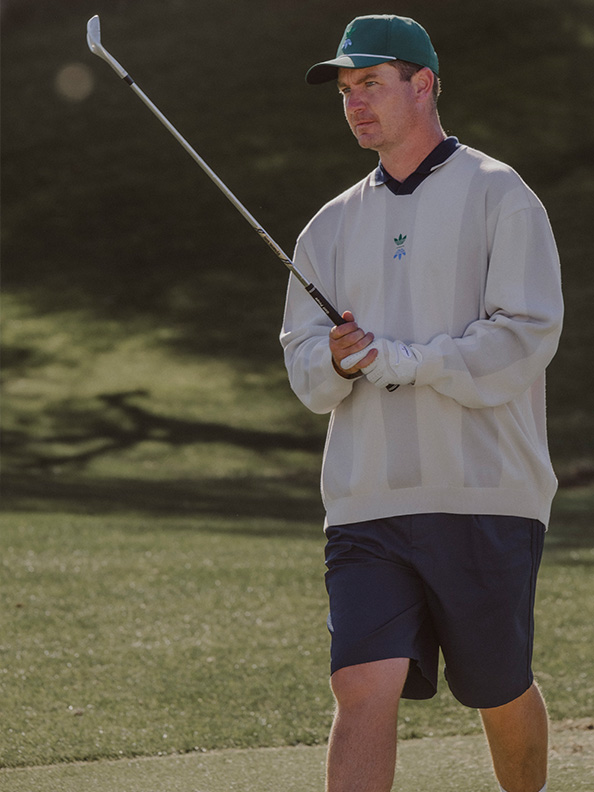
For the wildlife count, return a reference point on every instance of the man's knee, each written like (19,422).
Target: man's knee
(379,682)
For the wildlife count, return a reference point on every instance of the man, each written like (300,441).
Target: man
(438,493)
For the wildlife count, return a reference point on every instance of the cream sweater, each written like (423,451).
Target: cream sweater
(466,270)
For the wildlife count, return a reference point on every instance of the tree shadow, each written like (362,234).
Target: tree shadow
(48,474)
(256,506)
(114,422)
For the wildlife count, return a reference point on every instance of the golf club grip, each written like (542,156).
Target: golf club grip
(327,307)
(333,314)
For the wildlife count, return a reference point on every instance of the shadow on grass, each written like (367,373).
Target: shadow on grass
(112,423)
(47,474)
(230,505)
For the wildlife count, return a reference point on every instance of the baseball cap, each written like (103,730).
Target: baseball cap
(377,38)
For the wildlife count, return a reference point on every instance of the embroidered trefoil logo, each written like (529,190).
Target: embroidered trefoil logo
(347,40)
(400,251)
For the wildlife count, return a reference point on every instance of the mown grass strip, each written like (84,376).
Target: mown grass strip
(452,764)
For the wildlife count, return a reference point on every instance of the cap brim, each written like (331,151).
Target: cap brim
(328,70)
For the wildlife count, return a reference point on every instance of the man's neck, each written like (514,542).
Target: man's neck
(404,160)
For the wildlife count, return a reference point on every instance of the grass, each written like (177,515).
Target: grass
(142,635)
(162,562)
(134,637)
(162,569)
(455,763)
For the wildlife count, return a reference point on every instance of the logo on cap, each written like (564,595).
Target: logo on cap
(347,43)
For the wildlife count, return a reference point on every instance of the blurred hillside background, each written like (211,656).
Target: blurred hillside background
(121,259)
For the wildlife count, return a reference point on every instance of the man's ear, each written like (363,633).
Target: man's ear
(423,82)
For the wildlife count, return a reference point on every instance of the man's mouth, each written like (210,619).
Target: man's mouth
(361,126)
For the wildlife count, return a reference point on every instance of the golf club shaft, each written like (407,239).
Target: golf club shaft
(330,310)
(324,304)
(96,47)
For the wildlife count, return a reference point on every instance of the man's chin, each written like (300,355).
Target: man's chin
(367,142)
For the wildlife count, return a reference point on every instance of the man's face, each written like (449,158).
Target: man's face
(378,105)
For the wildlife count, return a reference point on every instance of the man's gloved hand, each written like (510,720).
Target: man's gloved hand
(395,363)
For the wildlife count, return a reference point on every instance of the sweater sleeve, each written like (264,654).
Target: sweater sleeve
(305,340)
(499,357)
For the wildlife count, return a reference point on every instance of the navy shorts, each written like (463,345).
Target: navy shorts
(410,586)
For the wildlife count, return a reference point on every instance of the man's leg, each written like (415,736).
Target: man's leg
(518,738)
(362,747)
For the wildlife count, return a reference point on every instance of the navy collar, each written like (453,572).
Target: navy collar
(437,157)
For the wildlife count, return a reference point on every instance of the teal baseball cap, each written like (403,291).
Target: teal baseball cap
(377,38)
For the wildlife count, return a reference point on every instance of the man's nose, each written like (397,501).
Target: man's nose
(354,101)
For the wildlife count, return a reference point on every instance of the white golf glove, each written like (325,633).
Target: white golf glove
(395,364)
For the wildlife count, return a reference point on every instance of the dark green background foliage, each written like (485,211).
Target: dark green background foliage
(105,213)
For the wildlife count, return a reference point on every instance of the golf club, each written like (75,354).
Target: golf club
(94,42)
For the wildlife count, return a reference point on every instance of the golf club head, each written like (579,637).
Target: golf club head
(94,42)
(94,36)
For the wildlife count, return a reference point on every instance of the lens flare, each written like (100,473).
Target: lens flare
(74,82)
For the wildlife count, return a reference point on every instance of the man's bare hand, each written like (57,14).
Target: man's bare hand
(345,340)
